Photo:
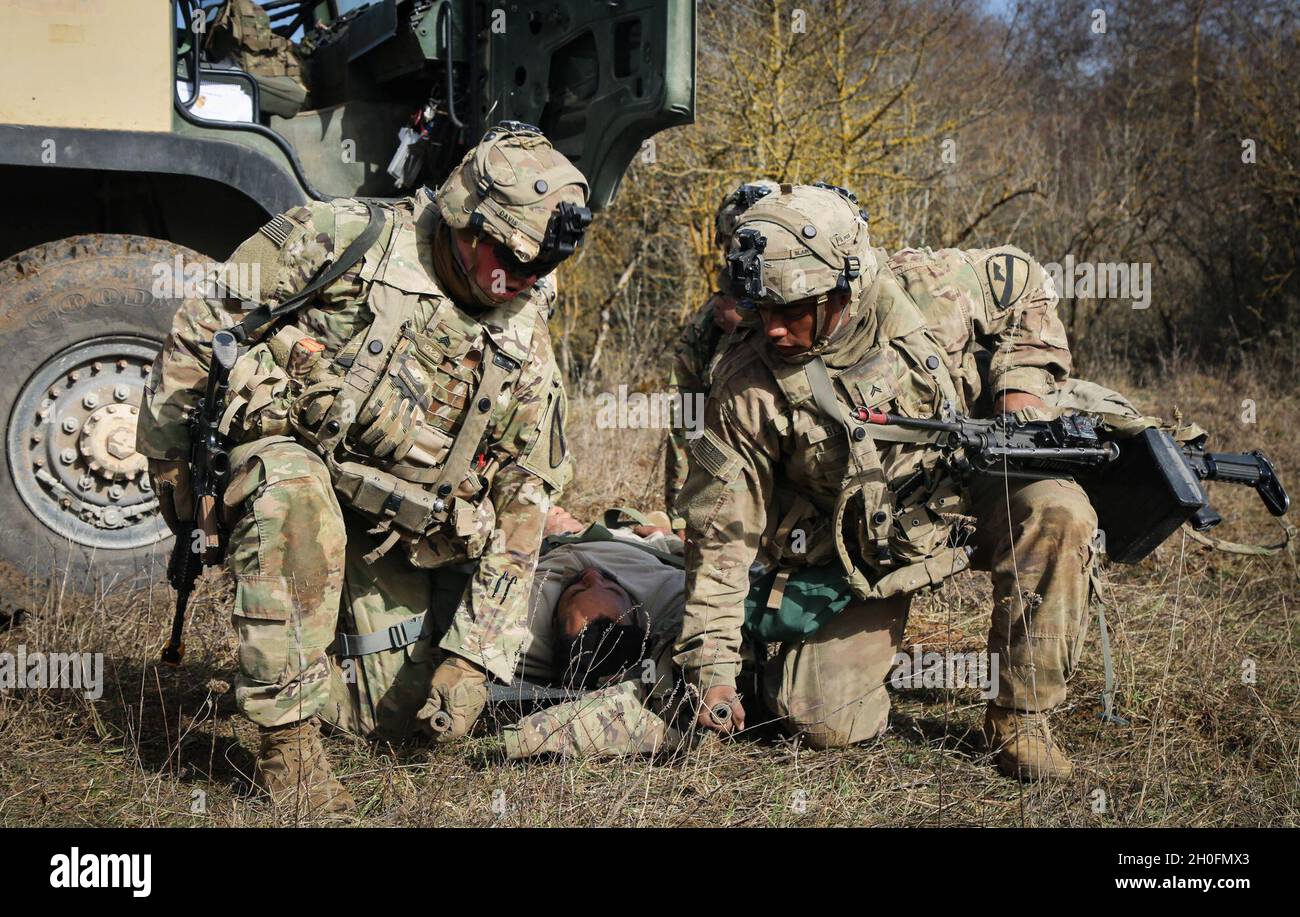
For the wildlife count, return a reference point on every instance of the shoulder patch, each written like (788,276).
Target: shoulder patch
(278,230)
(712,454)
(1008,275)
(548,455)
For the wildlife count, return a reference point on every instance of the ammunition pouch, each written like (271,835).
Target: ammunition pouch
(896,553)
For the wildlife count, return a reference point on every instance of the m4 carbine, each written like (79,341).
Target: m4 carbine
(1143,487)
(199,541)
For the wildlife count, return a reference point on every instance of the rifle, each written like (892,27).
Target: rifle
(1142,487)
(199,541)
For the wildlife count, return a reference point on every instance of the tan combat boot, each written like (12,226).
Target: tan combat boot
(1023,744)
(293,771)
(457,696)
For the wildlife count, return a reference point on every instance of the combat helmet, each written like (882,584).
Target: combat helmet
(515,188)
(735,204)
(802,242)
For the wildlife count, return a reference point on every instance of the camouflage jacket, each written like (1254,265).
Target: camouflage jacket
(696,352)
(770,471)
(437,353)
(998,299)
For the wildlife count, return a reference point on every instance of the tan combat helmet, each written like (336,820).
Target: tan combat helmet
(521,192)
(736,203)
(802,242)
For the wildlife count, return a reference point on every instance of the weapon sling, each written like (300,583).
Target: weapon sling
(184,569)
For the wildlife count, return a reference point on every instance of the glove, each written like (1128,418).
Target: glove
(171,482)
(391,421)
(457,696)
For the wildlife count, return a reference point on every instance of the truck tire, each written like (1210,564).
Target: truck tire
(80,324)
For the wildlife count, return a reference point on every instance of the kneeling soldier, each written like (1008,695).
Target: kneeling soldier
(397,436)
(783,474)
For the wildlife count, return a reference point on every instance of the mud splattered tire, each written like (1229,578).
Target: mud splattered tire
(79,326)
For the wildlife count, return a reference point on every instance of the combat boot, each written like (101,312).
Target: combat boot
(292,770)
(457,696)
(1023,745)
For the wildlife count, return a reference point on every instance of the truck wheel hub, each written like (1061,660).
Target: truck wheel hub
(108,442)
(71,445)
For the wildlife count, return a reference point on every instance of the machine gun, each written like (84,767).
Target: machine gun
(1143,487)
(199,541)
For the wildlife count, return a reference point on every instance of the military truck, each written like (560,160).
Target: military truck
(136,149)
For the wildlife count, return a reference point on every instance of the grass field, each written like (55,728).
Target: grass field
(1204,745)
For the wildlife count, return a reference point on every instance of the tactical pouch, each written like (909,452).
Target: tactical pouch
(390,502)
(296,352)
(788,605)
(898,552)
(257,400)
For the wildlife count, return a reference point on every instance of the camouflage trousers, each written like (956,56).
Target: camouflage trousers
(1036,539)
(297,561)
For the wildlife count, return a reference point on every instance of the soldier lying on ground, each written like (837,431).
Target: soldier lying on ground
(607,606)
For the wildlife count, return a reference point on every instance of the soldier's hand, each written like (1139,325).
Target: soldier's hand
(560,522)
(1011,402)
(391,423)
(457,696)
(721,710)
(171,482)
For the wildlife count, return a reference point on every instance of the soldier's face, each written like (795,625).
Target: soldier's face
(486,270)
(590,597)
(726,313)
(791,328)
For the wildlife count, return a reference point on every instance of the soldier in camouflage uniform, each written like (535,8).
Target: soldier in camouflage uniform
(770,462)
(399,442)
(993,312)
(779,470)
(710,332)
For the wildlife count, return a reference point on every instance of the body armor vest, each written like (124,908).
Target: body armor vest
(456,366)
(888,527)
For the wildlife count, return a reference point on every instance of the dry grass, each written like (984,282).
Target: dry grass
(1202,747)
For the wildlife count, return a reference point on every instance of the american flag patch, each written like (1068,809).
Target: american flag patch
(277,230)
(711,453)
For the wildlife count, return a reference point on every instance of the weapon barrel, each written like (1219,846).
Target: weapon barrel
(869,415)
(1081,453)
